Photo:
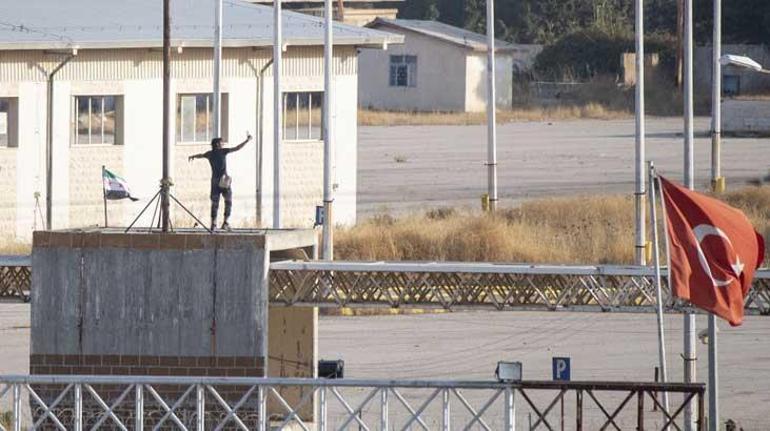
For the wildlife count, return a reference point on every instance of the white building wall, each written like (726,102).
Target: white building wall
(476,81)
(134,74)
(440,76)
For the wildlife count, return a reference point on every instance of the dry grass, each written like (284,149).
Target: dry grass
(578,230)
(392,118)
(9,245)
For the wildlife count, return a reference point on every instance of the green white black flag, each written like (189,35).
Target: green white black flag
(115,187)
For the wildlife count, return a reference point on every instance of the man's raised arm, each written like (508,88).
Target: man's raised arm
(242,144)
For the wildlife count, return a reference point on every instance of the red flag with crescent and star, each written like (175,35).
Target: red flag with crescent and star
(713,250)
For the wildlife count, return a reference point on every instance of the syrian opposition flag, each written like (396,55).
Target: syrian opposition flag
(713,249)
(115,187)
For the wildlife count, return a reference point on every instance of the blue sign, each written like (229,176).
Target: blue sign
(561,369)
(320,213)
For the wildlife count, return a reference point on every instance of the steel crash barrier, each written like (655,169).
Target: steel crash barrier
(449,285)
(472,285)
(15,277)
(216,403)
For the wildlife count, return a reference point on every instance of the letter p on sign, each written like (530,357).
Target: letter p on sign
(561,369)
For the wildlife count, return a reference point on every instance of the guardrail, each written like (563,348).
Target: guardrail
(15,277)
(210,403)
(472,285)
(450,285)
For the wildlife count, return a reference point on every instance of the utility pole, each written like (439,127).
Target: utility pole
(277,112)
(717,184)
(639,173)
(690,355)
(717,181)
(217,93)
(165,183)
(491,114)
(328,221)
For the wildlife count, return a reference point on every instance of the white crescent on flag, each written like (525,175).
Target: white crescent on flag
(701,232)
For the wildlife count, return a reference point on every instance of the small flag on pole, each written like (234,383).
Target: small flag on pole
(115,187)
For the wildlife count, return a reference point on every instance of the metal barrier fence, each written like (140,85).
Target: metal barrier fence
(449,285)
(15,277)
(186,403)
(496,286)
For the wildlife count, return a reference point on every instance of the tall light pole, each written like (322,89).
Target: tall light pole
(328,222)
(717,182)
(277,112)
(639,176)
(717,185)
(690,356)
(165,183)
(491,115)
(217,93)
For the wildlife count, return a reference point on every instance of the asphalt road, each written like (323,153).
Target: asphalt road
(445,165)
(467,346)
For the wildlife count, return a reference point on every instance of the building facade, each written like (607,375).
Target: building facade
(438,68)
(107,111)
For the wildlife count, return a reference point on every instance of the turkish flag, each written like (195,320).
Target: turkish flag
(713,251)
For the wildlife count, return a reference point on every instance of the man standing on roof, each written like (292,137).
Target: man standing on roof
(220,182)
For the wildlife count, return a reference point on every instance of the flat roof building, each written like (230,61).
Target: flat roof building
(107,109)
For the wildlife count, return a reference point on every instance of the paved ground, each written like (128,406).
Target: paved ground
(467,345)
(445,164)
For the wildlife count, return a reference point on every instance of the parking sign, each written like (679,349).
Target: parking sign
(561,369)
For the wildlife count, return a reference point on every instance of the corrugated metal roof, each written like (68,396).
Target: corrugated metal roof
(446,32)
(50,24)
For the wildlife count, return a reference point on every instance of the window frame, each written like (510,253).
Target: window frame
(179,121)
(409,63)
(118,126)
(11,123)
(297,122)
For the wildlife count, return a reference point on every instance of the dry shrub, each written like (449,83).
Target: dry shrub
(576,230)
(9,245)
(594,111)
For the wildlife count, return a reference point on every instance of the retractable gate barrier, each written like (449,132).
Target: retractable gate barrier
(215,403)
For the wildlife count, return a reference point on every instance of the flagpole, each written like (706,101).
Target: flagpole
(658,288)
(104,196)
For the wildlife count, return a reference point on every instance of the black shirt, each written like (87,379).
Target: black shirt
(218,161)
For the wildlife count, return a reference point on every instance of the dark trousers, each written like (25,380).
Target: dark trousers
(217,191)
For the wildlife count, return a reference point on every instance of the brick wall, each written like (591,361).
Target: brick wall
(132,365)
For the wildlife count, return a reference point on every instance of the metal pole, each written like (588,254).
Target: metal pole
(491,106)
(217,108)
(716,101)
(713,384)
(384,409)
(322,418)
(328,222)
(104,196)
(277,112)
(78,419)
(446,417)
(510,409)
(690,357)
(49,146)
(639,177)
(139,408)
(200,407)
(165,183)
(658,288)
(17,407)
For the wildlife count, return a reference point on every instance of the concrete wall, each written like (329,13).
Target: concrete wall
(135,75)
(746,116)
(476,82)
(440,76)
(750,82)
